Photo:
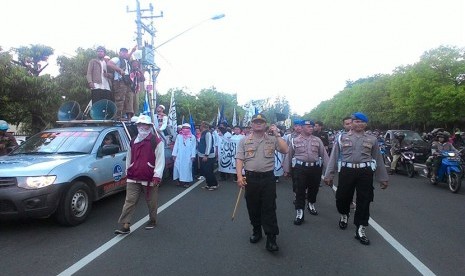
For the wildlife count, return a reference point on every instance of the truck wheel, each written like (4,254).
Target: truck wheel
(75,204)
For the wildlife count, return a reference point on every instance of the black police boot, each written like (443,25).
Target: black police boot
(343,221)
(361,236)
(256,235)
(311,209)
(299,218)
(271,243)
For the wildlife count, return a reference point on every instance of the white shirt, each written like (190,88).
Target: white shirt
(105,83)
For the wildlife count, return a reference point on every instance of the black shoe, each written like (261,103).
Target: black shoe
(150,225)
(299,218)
(343,221)
(271,243)
(311,209)
(123,230)
(361,236)
(256,236)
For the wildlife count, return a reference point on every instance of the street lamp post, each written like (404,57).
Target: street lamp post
(148,59)
(216,17)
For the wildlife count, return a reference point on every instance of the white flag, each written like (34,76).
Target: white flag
(234,120)
(172,120)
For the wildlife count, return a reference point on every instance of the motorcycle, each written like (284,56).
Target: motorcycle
(405,162)
(382,150)
(462,159)
(449,171)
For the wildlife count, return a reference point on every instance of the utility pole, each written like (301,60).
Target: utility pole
(148,49)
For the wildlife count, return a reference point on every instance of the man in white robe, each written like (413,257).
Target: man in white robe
(184,151)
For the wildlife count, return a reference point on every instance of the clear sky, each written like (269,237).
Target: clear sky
(304,50)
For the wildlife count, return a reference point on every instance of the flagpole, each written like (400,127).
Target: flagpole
(172,118)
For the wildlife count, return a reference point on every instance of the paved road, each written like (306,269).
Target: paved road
(422,232)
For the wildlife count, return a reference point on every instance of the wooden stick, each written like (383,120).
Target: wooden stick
(237,202)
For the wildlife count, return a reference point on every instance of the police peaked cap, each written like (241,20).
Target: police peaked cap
(259,117)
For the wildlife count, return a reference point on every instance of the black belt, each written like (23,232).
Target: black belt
(259,174)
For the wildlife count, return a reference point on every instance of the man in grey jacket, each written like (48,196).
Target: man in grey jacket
(98,77)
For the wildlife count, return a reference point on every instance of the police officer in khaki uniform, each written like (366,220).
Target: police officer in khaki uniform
(310,160)
(359,160)
(255,154)
(290,140)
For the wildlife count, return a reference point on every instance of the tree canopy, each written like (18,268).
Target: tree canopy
(33,99)
(418,96)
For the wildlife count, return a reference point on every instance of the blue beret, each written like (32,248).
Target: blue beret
(298,122)
(360,116)
(308,122)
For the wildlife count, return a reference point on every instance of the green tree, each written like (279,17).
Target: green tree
(30,57)
(421,95)
(31,100)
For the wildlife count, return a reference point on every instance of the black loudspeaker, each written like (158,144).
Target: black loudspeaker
(69,111)
(103,110)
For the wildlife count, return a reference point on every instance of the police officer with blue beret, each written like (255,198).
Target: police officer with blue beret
(297,130)
(310,159)
(359,161)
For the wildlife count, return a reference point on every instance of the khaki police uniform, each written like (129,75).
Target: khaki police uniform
(357,159)
(310,160)
(260,191)
(290,144)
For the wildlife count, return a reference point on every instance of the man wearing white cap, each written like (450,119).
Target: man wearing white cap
(184,151)
(145,162)
(162,118)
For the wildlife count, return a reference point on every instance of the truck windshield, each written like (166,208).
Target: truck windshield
(59,142)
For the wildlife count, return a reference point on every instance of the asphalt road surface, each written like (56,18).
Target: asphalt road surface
(415,229)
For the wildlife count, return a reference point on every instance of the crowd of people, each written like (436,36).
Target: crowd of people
(311,156)
(307,160)
(118,79)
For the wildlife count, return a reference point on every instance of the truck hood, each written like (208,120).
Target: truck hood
(30,165)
